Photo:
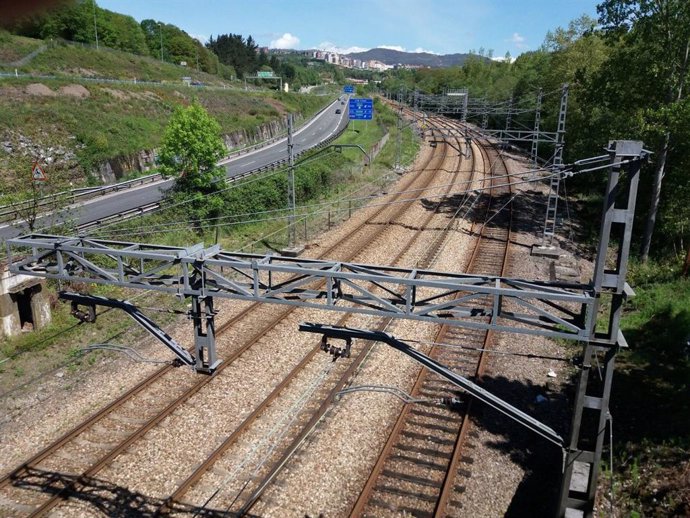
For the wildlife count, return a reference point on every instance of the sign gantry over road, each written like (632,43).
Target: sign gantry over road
(361,109)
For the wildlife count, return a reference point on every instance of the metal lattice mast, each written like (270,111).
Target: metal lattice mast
(202,315)
(292,231)
(398,139)
(485,115)
(509,115)
(555,182)
(464,107)
(534,153)
(591,408)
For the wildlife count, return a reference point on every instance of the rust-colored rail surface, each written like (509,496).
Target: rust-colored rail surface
(67,468)
(417,470)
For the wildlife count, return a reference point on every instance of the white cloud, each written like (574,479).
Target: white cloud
(332,47)
(200,37)
(392,47)
(518,40)
(286,41)
(420,49)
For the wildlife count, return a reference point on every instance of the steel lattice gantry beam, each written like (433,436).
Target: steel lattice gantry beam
(558,310)
(552,309)
(514,135)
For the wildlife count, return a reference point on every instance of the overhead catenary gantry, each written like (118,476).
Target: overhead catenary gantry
(481,111)
(552,309)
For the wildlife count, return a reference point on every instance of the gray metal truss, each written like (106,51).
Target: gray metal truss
(534,152)
(522,135)
(554,184)
(481,110)
(555,309)
(591,405)
(552,309)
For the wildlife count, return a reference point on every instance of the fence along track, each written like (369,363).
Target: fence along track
(63,467)
(309,417)
(417,470)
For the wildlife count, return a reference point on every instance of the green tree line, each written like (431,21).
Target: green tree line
(627,73)
(227,55)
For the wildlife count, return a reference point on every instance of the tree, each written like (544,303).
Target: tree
(191,148)
(234,51)
(658,33)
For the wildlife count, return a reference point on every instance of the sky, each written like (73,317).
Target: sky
(437,26)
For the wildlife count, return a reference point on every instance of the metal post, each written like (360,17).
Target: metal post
(398,139)
(534,153)
(509,116)
(591,408)
(464,107)
(160,30)
(555,182)
(202,314)
(292,237)
(95,27)
(485,115)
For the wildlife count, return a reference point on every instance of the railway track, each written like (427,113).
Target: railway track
(241,498)
(69,465)
(420,469)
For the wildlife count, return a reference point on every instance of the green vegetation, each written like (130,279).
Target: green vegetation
(120,120)
(628,79)
(628,76)
(14,48)
(191,147)
(329,184)
(69,59)
(257,206)
(650,403)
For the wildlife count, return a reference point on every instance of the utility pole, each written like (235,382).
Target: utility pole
(95,27)
(291,187)
(160,30)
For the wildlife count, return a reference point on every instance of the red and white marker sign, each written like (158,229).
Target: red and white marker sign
(38,174)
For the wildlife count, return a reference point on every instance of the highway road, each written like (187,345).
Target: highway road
(321,127)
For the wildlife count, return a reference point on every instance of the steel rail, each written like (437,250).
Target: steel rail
(229,441)
(449,482)
(32,463)
(326,404)
(447,486)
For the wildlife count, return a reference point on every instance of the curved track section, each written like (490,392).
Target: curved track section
(420,469)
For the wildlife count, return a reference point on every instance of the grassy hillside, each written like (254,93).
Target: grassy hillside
(14,48)
(73,125)
(73,59)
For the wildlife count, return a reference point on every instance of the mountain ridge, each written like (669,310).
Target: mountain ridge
(421,59)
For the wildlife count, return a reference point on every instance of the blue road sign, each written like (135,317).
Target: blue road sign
(361,109)
(348,89)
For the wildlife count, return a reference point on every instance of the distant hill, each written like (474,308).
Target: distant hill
(423,59)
